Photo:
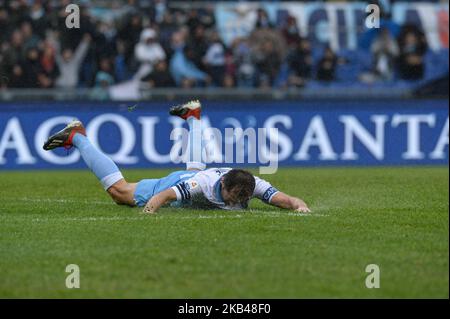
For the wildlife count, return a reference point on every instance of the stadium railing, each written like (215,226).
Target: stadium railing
(210,93)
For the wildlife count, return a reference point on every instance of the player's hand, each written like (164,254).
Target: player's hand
(159,200)
(303,209)
(148,210)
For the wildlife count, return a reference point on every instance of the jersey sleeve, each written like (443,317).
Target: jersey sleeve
(186,189)
(264,190)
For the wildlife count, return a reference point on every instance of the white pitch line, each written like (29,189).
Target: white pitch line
(110,203)
(287,213)
(63,201)
(250,213)
(162,216)
(87,219)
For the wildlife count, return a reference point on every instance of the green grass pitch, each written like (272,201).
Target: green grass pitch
(396,218)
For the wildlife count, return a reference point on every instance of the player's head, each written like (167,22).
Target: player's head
(237,186)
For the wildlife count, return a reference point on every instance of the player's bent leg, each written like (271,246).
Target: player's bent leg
(191,112)
(101,165)
(195,145)
(122,192)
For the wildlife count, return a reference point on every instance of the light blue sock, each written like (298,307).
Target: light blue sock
(103,167)
(195,145)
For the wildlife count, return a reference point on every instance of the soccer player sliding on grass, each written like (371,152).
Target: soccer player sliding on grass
(196,186)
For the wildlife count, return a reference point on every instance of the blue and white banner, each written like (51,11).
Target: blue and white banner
(339,24)
(310,133)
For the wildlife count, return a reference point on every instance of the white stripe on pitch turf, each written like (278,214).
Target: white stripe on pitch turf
(250,213)
(162,215)
(109,203)
(63,201)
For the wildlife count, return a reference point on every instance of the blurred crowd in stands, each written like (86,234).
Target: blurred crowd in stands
(166,47)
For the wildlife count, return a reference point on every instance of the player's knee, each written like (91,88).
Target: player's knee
(115,195)
(120,193)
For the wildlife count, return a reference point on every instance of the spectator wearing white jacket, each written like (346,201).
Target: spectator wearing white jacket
(148,52)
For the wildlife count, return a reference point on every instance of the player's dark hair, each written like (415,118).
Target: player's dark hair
(240,181)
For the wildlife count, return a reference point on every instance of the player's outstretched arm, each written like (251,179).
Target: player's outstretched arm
(283,200)
(159,200)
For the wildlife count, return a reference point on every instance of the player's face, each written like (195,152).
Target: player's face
(231,197)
